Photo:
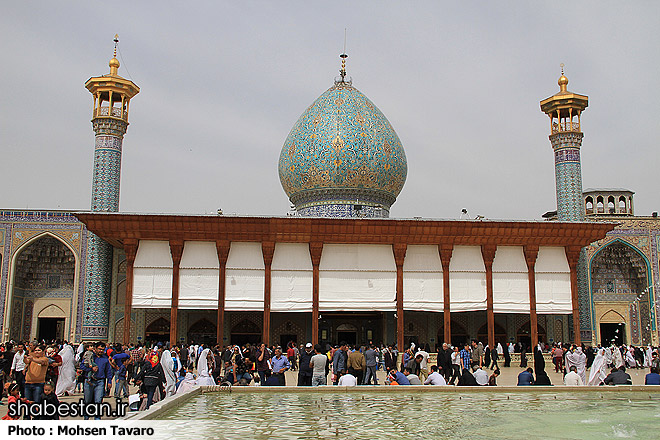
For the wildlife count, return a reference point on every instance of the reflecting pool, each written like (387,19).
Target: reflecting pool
(371,415)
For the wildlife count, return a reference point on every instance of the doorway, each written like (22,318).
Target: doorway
(50,329)
(611,333)
(286,339)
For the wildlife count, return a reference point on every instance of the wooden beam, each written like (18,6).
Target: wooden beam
(315,251)
(222,247)
(531,252)
(446,251)
(268,249)
(130,249)
(488,253)
(176,248)
(399,257)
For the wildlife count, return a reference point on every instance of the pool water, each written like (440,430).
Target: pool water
(370,415)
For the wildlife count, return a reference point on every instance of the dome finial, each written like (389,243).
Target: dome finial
(343,56)
(114,62)
(563,81)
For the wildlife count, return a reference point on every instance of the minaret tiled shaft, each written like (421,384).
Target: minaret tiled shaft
(112,95)
(568,175)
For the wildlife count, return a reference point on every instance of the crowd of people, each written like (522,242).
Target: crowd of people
(36,372)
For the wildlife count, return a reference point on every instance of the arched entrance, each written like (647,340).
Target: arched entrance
(44,272)
(500,334)
(203,332)
(459,336)
(50,323)
(245,332)
(523,335)
(347,333)
(619,278)
(158,331)
(612,329)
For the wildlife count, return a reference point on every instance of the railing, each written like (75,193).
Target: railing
(116,113)
(565,126)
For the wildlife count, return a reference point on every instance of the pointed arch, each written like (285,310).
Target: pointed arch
(612,316)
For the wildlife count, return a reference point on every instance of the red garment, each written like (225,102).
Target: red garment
(290,352)
(12,399)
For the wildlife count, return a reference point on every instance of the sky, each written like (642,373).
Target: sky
(222,83)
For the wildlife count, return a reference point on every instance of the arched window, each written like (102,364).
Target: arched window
(589,203)
(622,205)
(600,205)
(610,205)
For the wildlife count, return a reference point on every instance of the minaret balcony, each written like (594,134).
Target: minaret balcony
(116,113)
(565,126)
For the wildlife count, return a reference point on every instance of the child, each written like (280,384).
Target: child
(49,396)
(14,396)
(88,359)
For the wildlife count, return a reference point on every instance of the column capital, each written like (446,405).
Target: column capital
(399,253)
(573,255)
(446,251)
(531,253)
(268,249)
(488,254)
(130,249)
(176,248)
(315,251)
(222,247)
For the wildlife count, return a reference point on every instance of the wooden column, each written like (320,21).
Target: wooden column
(315,250)
(222,248)
(488,253)
(399,256)
(531,252)
(130,249)
(176,248)
(573,256)
(445,257)
(268,248)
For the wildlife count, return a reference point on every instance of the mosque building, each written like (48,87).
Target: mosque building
(340,268)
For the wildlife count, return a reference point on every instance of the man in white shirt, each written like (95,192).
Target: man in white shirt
(480,375)
(347,380)
(423,365)
(573,379)
(18,368)
(412,378)
(435,378)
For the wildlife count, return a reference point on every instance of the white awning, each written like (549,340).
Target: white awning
(510,281)
(357,277)
(152,275)
(199,276)
(422,279)
(553,282)
(467,279)
(291,278)
(245,275)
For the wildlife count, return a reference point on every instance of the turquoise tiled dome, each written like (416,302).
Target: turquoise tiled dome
(342,150)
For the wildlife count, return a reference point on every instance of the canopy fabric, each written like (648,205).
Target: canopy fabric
(553,281)
(291,278)
(199,276)
(152,253)
(152,287)
(510,281)
(199,255)
(357,277)
(422,279)
(245,277)
(467,279)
